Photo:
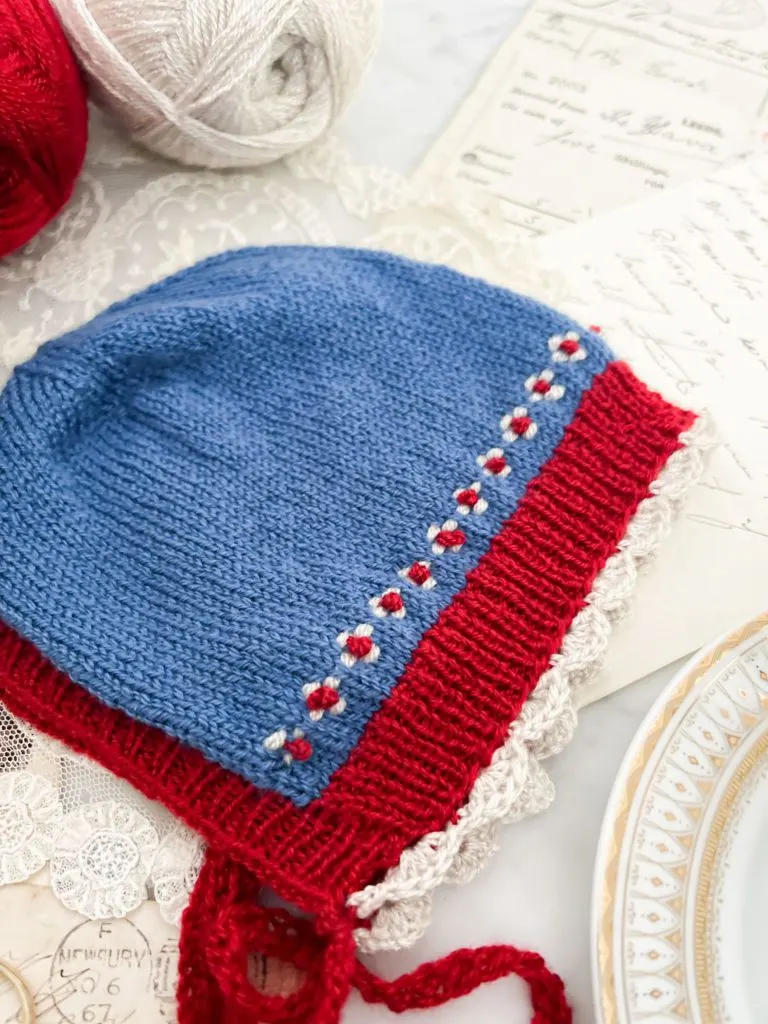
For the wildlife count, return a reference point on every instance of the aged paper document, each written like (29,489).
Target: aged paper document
(679,284)
(86,972)
(593,104)
(117,971)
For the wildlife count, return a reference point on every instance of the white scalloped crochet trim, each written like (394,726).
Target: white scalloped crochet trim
(515,785)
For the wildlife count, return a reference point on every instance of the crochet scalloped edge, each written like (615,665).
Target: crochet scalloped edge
(515,784)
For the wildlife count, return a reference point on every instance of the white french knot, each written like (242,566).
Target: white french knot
(515,784)
(222,83)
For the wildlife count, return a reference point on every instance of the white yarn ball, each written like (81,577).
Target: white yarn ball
(222,83)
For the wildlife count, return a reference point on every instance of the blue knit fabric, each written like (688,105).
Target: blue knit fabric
(203,486)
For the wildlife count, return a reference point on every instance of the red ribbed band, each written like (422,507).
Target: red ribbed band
(467,680)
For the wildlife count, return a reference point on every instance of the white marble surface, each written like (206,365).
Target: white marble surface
(537,891)
(430,54)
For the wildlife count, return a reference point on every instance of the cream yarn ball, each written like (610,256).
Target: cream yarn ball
(222,83)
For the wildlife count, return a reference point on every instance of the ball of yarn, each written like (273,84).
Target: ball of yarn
(222,83)
(43,120)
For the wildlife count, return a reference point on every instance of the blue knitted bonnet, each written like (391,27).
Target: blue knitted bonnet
(214,492)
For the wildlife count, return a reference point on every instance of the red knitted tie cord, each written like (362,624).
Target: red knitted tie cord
(224,925)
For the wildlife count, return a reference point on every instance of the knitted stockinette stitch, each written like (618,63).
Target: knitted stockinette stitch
(224,472)
(318,541)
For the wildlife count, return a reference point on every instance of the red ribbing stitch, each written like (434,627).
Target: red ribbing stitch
(322,699)
(224,925)
(359,646)
(474,667)
(451,538)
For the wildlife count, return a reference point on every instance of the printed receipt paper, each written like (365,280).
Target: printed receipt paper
(593,104)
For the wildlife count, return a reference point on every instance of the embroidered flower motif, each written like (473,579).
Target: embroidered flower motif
(468,500)
(518,424)
(101,859)
(297,748)
(494,463)
(540,386)
(420,574)
(30,816)
(566,348)
(390,602)
(175,871)
(322,697)
(358,645)
(447,537)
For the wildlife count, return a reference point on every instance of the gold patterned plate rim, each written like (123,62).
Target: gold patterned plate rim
(658,872)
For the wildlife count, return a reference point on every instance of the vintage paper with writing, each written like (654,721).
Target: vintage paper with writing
(593,104)
(680,286)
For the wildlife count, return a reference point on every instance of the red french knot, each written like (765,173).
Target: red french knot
(541,385)
(323,699)
(595,328)
(450,538)
(300,749)
(495,465)
(468,497)
(469,500)
(520,424)
(446,537)
(359,646)
(419,573)
(391,602)
(565,349)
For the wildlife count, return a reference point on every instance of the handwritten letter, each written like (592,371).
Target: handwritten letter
(680,286)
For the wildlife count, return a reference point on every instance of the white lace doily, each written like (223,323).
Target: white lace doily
(174,872)
(30,820)
(105,847)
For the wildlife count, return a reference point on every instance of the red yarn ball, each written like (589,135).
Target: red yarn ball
(43,120)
